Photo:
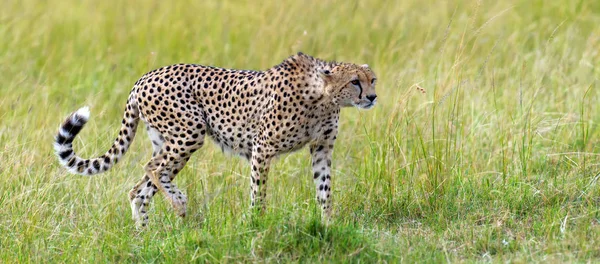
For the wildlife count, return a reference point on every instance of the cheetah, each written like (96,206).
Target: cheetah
(257,115)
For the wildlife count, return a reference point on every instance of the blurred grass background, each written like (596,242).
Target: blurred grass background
(497,161)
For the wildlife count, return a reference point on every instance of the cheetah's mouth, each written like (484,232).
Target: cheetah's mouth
(366,104)
(369,105)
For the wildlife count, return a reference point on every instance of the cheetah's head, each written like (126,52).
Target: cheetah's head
(350,85)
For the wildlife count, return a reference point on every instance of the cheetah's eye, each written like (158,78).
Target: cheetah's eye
(373,81)
(355,82)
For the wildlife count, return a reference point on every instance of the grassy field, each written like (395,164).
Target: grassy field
(499,159)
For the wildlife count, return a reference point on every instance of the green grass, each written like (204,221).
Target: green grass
(498,161)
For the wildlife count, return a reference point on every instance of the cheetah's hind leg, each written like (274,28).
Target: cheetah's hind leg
(174,154)
(141,194)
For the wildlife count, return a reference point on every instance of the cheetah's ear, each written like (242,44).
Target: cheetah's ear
(366,66)
(325,74)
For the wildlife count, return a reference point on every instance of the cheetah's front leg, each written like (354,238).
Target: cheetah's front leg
(258,179)
(321,153)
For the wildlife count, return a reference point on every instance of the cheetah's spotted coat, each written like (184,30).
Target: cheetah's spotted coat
(255,114)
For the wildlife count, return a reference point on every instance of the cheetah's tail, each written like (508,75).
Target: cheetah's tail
(63,142)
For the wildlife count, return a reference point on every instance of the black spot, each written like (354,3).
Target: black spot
(96,164)
(72,128)
(71,162)
(63,140)
(65,154)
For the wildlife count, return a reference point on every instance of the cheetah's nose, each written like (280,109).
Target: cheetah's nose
(371,97)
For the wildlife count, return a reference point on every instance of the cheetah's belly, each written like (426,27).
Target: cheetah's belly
(233,137)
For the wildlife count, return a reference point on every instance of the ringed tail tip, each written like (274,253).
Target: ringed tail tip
(83,113)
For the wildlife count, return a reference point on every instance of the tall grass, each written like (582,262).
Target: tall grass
(497,160)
